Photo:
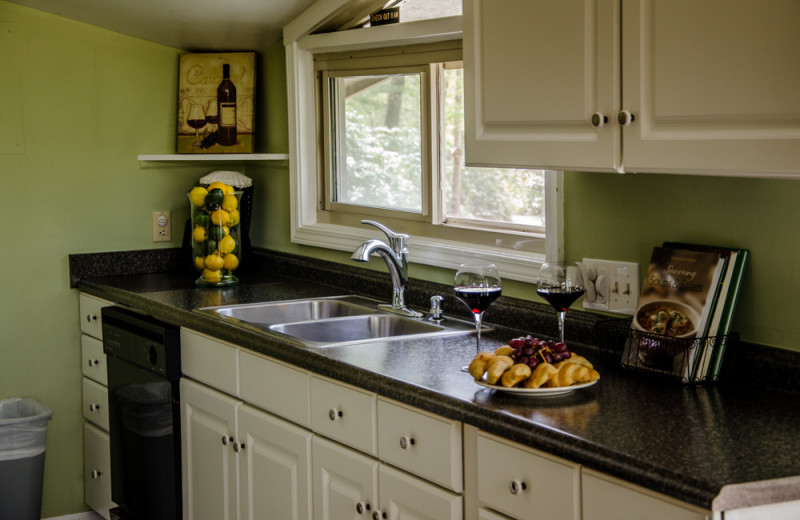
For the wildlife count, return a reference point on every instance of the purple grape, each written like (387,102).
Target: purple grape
(534,362)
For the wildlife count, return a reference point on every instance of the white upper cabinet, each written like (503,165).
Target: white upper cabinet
(710,86)
(536,71)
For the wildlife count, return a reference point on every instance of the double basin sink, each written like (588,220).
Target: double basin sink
(334,321)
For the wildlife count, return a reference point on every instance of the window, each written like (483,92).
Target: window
(391,122)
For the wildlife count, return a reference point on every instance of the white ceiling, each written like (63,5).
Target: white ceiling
(192,25)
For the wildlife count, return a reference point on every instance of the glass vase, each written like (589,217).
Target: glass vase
(216,237)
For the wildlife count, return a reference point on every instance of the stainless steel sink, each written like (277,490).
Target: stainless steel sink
(334,321)
(355,329)
(268,313)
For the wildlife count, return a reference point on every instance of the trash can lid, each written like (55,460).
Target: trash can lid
(22,409)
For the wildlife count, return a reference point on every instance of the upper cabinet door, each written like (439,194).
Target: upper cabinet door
(713,86)
(537,73)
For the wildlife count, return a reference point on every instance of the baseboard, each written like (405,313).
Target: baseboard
(88,515)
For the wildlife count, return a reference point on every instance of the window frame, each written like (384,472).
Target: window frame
(306,156)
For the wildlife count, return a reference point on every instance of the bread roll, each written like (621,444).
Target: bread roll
(478,365)
(516,374)
(496,367)
(541,374)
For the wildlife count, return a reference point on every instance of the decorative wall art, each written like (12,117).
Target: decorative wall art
(216,102)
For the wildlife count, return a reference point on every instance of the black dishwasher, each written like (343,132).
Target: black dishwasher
(144,415)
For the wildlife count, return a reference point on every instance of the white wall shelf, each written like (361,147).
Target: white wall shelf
(219,157)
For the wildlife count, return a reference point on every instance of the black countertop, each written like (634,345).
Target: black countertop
(719,447)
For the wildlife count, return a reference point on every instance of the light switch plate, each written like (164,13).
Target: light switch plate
(611,286)
(162,226)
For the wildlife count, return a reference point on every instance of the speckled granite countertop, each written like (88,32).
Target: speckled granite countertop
(718,447)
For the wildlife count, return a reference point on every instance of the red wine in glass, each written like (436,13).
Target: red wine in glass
(560,284)
(477,286)
(477,299)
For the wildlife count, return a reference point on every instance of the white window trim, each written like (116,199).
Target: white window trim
(304,155)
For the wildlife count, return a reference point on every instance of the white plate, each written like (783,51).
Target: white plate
(536,392)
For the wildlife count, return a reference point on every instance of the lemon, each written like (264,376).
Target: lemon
(198,196)
(230,202)
(220,217)
(227,244)
(214,262)
(230,262)
(233,217)
(199,234)
(200,262)
(217,184)
(212,275)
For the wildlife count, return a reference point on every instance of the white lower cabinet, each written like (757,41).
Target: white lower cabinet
(349,484)
(240,462)
(97,470)
(605,497)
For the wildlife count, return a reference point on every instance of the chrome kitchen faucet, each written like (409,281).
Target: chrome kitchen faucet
(396,257)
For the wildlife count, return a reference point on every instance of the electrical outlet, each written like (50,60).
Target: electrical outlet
(610,285)
(162,226)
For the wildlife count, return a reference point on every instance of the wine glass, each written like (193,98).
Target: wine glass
(560,284)
(477,286)
(197,120)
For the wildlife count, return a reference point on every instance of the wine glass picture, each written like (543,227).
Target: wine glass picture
(560,284)
(197,120)
(477,286)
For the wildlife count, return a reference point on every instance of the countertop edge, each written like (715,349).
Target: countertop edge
(751,494)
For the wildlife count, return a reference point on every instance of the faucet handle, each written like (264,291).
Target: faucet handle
(398,241)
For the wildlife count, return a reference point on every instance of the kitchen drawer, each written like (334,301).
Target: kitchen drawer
(275,387)
(344,413)
(517,481)
(91,320)
(210,361)
(422,443)
(97,470)
(93,360)
(604,496)
(95,403)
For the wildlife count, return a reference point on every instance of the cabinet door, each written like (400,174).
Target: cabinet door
(344,413)
(712,85)
(535,72)
(421,443)
(91,319)
(516,480)
(274,467)
(93,360)
(405,497)
(97,470)
(345,482)
(95,403)
(605,497)
(208,429)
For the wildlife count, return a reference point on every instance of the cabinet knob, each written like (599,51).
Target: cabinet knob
(91,317)
(599,119)
(94,362)
(236,446)
(362,507)
(334,414)
(224,440)
(93,407)
(377,515)
(406,441)
(96,474)
(625,118)
(517,486)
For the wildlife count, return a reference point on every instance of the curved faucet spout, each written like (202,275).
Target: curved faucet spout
(396,258)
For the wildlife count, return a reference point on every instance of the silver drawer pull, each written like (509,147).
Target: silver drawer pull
(334,414)
(224,440)
(517,486)
(406,441)
(362,507)
(96,474)
(93,407)
(91,317)
(94,362)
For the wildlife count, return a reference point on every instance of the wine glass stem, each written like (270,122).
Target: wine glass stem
(561,316)
(478,316)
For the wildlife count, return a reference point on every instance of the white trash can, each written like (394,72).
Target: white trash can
(23,431)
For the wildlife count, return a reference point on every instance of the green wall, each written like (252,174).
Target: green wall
(91,100)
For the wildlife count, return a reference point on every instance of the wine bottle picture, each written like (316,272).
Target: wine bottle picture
(226,108)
